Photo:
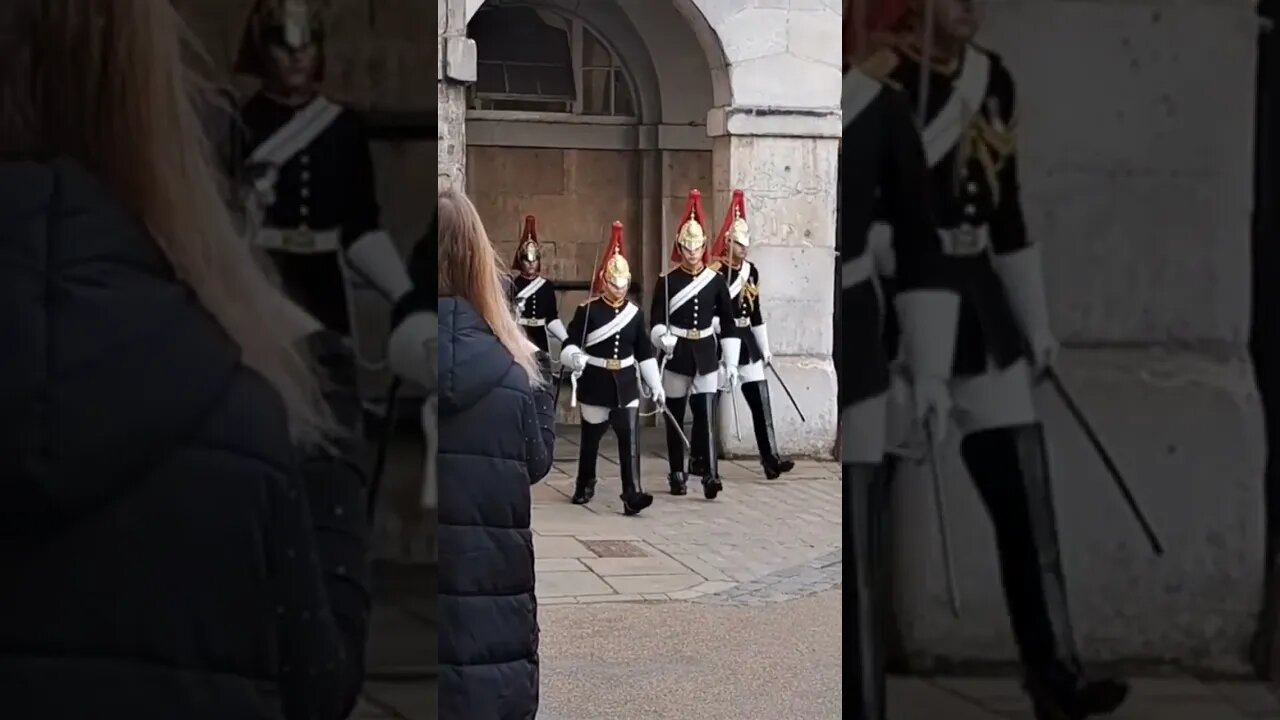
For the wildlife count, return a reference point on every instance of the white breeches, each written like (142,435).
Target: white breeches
(862,431)
(995,399)
(677,385)
(753,372)
(595,415)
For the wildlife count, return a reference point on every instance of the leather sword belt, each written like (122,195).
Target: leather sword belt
(742,322)
(532,322)
(299,241)
(610,363)
(965,240)
(692,333)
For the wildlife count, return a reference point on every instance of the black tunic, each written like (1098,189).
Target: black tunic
(539,307)
(746,308)
(327,186)
(881,156)
(693,357)
(603,387)
(974,185)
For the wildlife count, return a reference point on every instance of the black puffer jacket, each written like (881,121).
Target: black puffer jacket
(496,439)
(158,553)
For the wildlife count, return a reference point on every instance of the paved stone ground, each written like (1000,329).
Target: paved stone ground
(782,660)
(683,548)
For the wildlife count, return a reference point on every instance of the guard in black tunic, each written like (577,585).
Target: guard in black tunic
(308,160)
(881,157)
(606,346)
(687,302)
(1003,337)
(743,280)
(534,295)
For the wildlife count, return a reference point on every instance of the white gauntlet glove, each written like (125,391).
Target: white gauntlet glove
(649,373)
(928,319)
(412,348)
(1022,274)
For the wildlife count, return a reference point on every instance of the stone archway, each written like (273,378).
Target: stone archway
(752,93)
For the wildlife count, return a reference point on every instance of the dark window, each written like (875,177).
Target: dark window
(525,63)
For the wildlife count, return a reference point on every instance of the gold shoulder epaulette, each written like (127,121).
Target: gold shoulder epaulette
(881,64)
(715,266)
(586,302)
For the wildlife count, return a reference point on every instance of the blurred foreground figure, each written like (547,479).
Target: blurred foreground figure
(182,531)
(313,204)
(1002,339)
(882,161)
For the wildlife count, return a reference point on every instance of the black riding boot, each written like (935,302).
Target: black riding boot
(585,487)
(1010,468)
(704,438)
(864,510)
(757,395)
(676,478)
(697,456)
(626,425)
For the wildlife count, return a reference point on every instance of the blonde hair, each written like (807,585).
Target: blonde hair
(470,269)
(105,83)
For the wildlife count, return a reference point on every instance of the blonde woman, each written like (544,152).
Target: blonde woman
(497,433)
(164,552)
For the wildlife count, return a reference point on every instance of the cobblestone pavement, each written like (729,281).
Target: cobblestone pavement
(757,540)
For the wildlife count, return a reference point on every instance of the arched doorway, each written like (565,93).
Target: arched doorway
(569,119)
(725,95)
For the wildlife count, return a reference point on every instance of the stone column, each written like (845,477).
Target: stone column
(457,67)
(785,163)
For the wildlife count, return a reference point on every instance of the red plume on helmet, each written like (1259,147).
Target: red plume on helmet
(867,21)
(614,247)
(692,210)
(530,235)
(720,249)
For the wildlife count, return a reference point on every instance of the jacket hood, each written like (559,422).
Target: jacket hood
(472,361)
(107,362)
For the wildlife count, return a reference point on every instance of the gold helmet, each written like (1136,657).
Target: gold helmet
(691,235)
(614,269)
(735,229)
(294,24)
(529,249)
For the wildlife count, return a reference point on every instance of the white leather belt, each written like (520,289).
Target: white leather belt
(965,241)
(611,363)
(692,334)
(299,241)
(742,322)
(532,322)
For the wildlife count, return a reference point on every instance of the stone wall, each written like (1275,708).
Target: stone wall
(576,195)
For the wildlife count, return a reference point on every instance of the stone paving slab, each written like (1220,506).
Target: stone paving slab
(684,548)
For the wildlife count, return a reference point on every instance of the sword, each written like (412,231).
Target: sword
(586,315)
(379,466)
(926,60)
(670,419)
(787,390)
(733,403)
(940,505)
(1112,469)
